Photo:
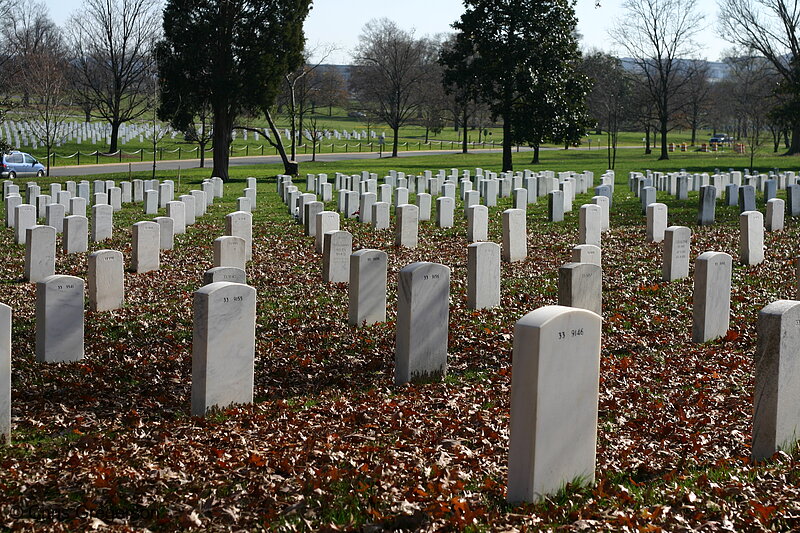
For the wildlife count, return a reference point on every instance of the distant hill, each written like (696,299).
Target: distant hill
(343,70)
(717,70)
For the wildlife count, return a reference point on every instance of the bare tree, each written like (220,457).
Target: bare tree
(434,103)
(157,130)
(332,89)
(721,108)
(112,42)
(695,96)
(609,100)
(368,119)
(389,66)
(770,27)
(463,110)
(752,94)
(657,35)
(201,132)
(27,32)
(316,135)
(47,112)
(462,88)
(643,111)
(301,84)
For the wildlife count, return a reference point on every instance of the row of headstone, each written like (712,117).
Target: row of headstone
(555,445)
(223,359)
(731,187)
(726,184)
(525,187)
(24,133)
(59,299)
(556,361)
(425,286)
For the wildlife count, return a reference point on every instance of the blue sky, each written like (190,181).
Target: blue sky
(339,22)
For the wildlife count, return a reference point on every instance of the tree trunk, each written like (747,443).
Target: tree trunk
(535,160)
(202,148)
(155,152)
(292,121)
(48,160)
(465,137)
(300,117)
(289,167)
(396,132)
(508,163)
(221,142)
(614,139)
(664,152)
(647,149)
(694,133)
(112,147)
(794,148)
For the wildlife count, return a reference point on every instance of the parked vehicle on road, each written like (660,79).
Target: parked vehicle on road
(721,138)
(16,163)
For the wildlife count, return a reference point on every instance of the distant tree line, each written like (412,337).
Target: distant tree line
(669,88)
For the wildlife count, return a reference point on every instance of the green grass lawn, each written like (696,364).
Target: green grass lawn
(332,444)
(557,160)
(412,137)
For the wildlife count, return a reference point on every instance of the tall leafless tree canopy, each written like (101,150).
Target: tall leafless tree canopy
(658,35)
(300,92)
(389,67)
(609,100)
(770,27)
(331,89)
(752,97)
(47,110)
(112,44)
(695,96)
(27,31)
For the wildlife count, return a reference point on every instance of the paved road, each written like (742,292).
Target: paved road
(108,168)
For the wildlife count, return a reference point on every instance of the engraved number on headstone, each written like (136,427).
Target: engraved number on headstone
(573,333)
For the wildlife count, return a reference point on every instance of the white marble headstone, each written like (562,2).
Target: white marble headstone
(223,346)
(423,313)
(5,373)
(145,250)
(59,319)
(776,402)
(712,296)
(554,401)
(483,275)
(106,280)
(40,253)
(367,287)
